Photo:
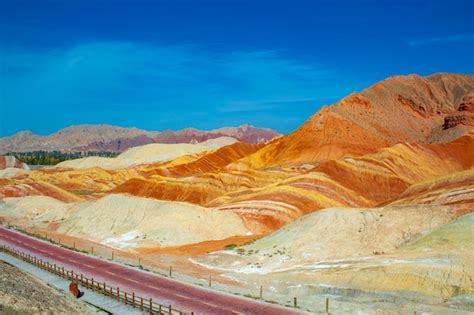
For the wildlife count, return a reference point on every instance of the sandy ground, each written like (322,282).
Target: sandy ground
(21,293)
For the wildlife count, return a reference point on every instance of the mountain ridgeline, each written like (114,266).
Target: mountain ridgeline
(433,109)
(106,138)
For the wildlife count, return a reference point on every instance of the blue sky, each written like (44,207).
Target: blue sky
(162,65)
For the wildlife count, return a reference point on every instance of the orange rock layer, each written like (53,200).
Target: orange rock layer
(384,145)
(399,109)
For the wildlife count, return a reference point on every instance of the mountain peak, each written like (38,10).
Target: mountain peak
(408,108)
(104,137)
(23,133)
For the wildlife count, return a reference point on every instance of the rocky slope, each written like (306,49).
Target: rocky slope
(150,153)
(212,162)
(125,221)
(410,109)
(11,162)
(414,257)
(64,184)
(86,138)
(265,199)
(452,189)
(429,272)
(21,293)
(10,166)
(334,234)
(365,181)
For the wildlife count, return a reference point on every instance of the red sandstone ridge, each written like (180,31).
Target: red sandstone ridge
(197,181)
(211,162)
(465,114)
(399,109)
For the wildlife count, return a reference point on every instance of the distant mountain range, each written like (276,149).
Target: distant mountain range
(94,138)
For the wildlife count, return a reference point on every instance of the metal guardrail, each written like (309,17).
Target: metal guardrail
(144,304)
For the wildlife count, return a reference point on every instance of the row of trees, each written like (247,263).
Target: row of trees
(55,157)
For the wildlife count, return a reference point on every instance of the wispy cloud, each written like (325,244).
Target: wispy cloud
(138,83)
(112,72)
(441,39)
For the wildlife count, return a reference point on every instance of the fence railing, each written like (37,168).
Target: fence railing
(128,298)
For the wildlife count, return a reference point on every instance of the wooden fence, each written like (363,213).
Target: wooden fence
(146,305)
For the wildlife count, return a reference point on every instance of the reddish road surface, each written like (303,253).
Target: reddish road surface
(182,296)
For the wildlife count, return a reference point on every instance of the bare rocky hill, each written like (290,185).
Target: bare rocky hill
(93,138)
(414,109)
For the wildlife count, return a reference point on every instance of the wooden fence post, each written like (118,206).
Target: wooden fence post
(209,280)
(102,288)
(327,305)
(112,255)
(261,292)
(295,302)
